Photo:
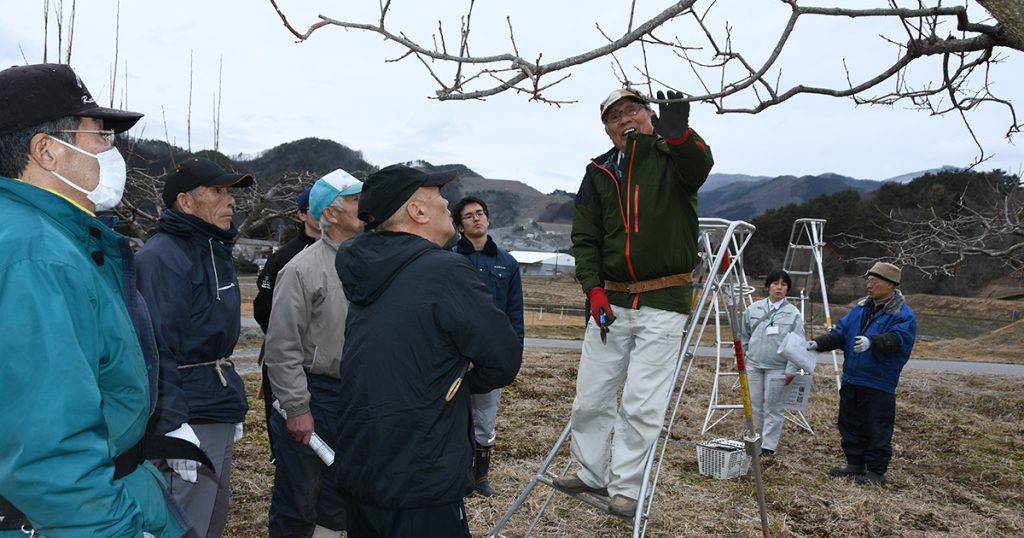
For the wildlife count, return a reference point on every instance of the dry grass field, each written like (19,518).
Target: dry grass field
(958,468)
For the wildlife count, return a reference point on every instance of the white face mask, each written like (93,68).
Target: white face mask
(113,174)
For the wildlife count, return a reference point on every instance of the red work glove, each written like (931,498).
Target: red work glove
(598,300)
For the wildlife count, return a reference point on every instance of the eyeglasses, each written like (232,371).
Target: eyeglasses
(478,214)
(626,111)
(107,134)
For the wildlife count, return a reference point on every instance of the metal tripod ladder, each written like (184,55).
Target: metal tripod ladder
(803,262)
(712,232)
(734,237)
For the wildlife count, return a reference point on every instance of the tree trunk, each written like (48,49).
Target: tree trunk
(1010,14)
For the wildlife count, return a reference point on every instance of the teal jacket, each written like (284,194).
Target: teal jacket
(76,386)
(636,219)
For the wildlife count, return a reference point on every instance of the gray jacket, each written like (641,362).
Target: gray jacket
(760,347)
(307,325)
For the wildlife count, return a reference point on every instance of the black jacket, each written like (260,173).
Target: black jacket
(418,316)
(268,276)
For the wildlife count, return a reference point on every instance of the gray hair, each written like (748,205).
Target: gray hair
(325,226)
(14,147)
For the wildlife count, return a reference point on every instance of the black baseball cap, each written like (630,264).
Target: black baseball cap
(34,94)
(386,191)
(302,200)
(198,172)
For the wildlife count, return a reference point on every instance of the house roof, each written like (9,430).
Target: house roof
(528,257)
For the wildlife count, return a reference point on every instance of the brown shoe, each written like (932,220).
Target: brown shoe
(573,484)
(622,506)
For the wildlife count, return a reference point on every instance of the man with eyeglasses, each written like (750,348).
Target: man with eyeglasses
(634,237)
(78,359)
(876,337)
(499,271)
(187,276)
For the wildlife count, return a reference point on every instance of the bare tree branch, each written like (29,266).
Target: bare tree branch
(959,86)
(188,114)
(938,244)
(527,71)
(71,33)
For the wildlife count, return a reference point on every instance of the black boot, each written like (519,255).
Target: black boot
(849,470)
(481,466)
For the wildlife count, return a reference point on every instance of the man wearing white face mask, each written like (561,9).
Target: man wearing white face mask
(187,276)
(76,336)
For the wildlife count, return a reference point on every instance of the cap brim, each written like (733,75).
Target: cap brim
(117,120)
(635,98)
(232,180)
(440,179)
(351,190)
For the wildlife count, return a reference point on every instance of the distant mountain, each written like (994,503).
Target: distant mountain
(521,216)
(745,200)
(717,181)
(907,178)
(510,202)
(313,156)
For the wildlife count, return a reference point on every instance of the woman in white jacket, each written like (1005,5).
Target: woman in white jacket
(764,326)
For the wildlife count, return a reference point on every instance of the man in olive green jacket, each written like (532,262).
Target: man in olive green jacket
(634,237)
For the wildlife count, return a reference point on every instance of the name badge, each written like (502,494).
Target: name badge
(772,329)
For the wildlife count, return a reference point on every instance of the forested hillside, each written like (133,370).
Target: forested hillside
(861,224)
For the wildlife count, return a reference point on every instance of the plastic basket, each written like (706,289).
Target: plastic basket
(722,458)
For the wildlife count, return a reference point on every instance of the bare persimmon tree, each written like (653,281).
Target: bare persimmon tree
(730,79)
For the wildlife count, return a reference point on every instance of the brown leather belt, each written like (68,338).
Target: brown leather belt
(671,281)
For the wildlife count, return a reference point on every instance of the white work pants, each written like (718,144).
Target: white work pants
(768,422)
(641,351)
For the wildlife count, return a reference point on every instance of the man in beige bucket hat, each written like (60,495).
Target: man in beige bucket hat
(876,338)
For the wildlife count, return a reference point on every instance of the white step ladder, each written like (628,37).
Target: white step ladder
(731,277)
(803,262)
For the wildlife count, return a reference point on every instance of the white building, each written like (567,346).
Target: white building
(543,263)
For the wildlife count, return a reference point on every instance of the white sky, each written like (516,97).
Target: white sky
(337,86)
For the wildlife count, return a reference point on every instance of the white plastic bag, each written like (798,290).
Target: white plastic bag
(794,349)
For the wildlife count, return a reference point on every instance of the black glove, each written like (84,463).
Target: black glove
(673,119)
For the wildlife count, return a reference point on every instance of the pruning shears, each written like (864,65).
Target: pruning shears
(605,320)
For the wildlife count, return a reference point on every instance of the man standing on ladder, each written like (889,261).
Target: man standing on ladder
(634,237)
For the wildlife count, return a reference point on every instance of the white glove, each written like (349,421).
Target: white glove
(239,431)
(812,345)
(188,470)
(861,344)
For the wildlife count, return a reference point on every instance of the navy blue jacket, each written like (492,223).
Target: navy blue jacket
(499,271)
(417,317)
(187,275)
(892,331)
